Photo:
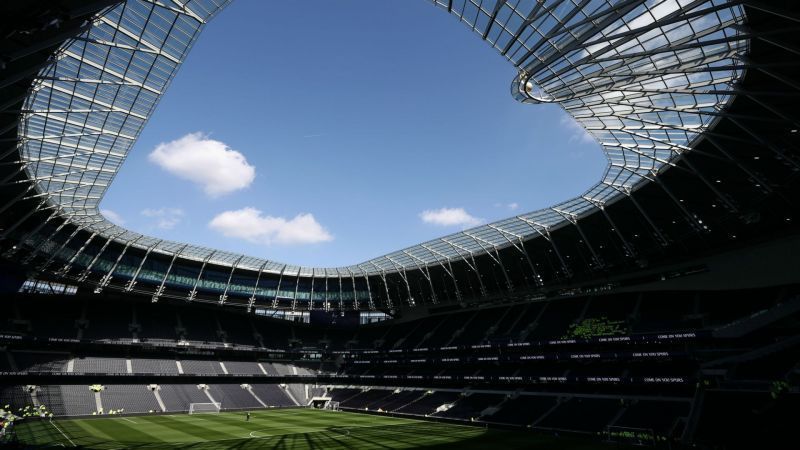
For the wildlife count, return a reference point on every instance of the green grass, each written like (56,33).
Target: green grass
(293,429)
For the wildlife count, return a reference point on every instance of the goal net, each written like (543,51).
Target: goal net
(331,405)
(200,408)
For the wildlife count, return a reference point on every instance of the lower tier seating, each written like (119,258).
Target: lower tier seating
(80,400)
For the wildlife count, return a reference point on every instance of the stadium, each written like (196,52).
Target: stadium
(660,308)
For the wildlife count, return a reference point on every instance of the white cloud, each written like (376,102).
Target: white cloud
(211,164)
(165,218)
(113,217)
(447,217)
(510,206)
(576,132)
(251,225)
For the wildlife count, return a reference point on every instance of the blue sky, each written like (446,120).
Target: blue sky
(325,133)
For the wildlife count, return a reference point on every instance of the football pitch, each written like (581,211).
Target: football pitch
(288,429)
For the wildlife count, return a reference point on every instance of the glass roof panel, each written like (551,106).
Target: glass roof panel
(612,65)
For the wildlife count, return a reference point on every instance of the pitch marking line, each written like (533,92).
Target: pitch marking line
(129,420)
(343,431)
(339,430)
(256,437)
(62,433)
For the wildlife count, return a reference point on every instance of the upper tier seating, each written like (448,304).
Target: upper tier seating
(100,365)
(154,366)
(201,367)
(34,361)
(649,312)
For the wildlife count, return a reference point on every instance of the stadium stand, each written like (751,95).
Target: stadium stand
(165,366)
(39,361)
(582,414)
(272,395)
(233,396)
(68,400)
(16,397)
(243,367)
(368,399)
(107,322)
(129,397)
(99,365)
(201,367)
(659,416)
(177,397)
(523,410)
(427,404)
(469,407)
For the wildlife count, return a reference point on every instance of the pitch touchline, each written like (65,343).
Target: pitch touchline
(62,433)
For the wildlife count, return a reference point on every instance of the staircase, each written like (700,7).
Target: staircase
(155,388)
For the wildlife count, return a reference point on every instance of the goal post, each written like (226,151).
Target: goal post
(203,408)
(331,405)
(323,403)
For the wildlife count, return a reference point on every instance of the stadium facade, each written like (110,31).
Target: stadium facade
(659,307)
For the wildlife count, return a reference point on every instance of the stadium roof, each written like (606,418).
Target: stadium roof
(645,78)
(693,102)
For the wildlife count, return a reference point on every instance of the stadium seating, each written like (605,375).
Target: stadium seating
(68,400)
(201,367)
(15,396)
(233,396)
(427,404)
(107,322)
(166,366)
(471,406)
(243,367)
(177,397)
(159,323)
(40,361)
(581,414)
(583,371)
(130,397)
(738,419)
(398,399)
(650,312)
(197,326)
(659,416)
(100,365)
(368,399)
(523,410)
(272,395)
(61,322)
